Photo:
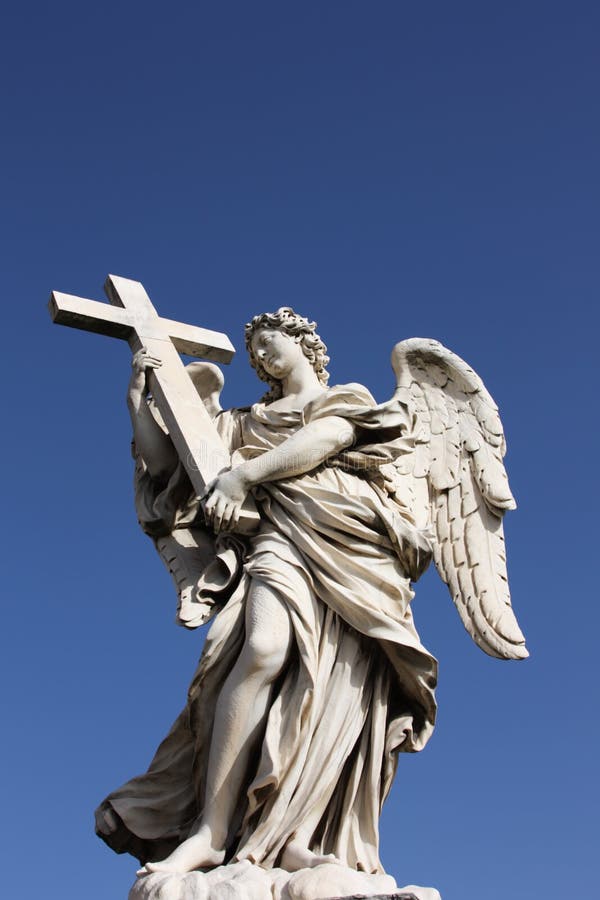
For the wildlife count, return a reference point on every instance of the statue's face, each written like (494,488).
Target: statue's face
(277,352)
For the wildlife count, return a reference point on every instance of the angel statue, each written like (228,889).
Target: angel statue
(312,678)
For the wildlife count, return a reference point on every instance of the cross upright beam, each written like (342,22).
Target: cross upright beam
(131,316)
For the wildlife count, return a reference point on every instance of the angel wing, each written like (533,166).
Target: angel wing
(188,550)
(455,482)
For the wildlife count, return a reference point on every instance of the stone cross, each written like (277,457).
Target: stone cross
(133,318)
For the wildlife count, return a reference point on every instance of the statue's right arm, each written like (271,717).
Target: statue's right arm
(154,446)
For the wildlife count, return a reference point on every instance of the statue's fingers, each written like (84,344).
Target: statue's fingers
(226,518)
(208,490)
(209,509)
(233,514)
(137,359)
(142,359)
(218,514)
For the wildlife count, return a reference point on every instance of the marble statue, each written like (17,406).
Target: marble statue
(316,511)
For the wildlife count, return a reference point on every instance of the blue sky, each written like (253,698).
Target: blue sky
(390,169)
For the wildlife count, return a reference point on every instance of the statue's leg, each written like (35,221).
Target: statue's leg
(239,724)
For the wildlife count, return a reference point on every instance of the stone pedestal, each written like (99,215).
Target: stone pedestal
(244,881)
(401,896)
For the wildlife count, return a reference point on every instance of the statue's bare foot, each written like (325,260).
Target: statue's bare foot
(297,856)
(196,852)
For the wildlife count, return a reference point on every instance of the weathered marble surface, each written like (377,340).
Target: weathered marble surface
(313,677)
(244,881)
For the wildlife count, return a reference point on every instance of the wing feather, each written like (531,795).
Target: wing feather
(446,450)
(422,454)
(491,478)
(187,552)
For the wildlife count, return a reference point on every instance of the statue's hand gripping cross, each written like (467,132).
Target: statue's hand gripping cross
(133,318)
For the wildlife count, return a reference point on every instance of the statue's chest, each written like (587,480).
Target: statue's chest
(264,431)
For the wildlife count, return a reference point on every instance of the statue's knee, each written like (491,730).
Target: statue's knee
(265,653)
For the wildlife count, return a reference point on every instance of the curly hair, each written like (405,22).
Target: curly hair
(296,327)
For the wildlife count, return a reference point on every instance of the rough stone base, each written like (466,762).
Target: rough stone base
(402,896)
(244,881)
(405,893)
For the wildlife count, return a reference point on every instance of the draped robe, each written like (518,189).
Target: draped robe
(358,686)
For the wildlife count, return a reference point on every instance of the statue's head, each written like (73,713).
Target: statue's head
(294,327)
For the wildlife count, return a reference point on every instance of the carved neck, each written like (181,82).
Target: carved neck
(302,379)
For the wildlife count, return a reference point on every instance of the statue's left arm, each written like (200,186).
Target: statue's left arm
(302,452)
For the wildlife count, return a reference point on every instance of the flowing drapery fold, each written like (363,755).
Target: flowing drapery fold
(358,686)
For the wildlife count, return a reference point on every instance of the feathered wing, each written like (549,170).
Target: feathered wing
(456,481)
(188,550)
(186,553)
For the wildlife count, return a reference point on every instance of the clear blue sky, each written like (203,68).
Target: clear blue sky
(391,169)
